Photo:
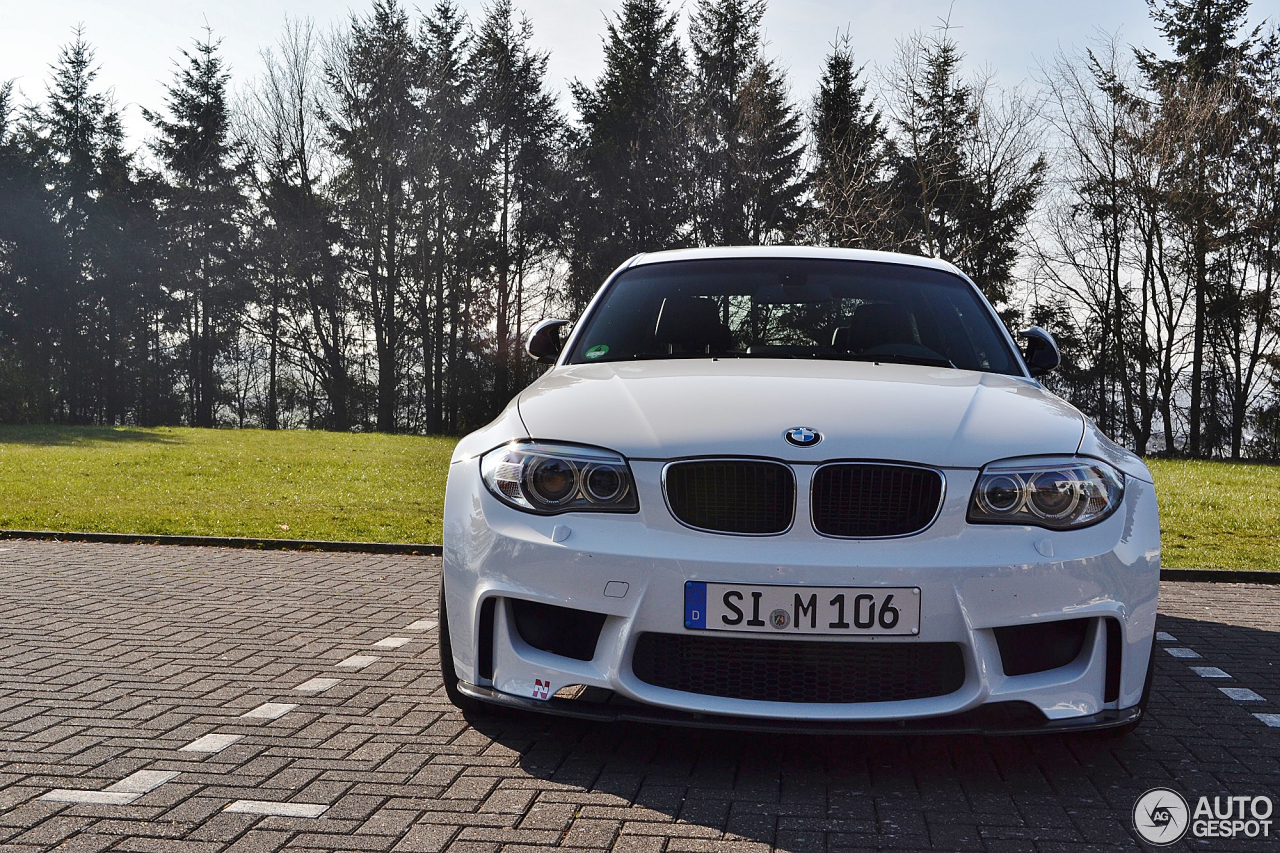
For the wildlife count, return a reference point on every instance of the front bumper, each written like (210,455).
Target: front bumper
(973,579)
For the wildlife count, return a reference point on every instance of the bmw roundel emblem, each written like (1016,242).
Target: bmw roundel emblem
(802,436)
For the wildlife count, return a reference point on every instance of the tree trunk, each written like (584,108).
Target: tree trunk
(435,420)
(206,368)
(502,380)
(1197,348)
(272,421)
(385,288)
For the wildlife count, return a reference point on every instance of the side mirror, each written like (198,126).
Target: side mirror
(544,343)
(1042,355)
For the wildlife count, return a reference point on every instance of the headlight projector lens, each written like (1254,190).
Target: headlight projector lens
(603,483)
(1053,494)
(553,481)
(1001,494)
(1057,492)
(547,479)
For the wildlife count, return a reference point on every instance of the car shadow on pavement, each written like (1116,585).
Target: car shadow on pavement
(952,792)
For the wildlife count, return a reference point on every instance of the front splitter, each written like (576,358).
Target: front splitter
(979,721)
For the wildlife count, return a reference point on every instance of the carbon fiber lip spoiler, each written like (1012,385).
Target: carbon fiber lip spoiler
(944,725)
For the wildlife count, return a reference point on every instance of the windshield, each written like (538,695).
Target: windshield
(794,308)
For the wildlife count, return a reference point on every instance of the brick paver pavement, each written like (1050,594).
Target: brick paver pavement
(114,658)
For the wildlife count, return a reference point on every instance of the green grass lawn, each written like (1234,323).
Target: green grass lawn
(281,485)
(369,487)
(1218,515)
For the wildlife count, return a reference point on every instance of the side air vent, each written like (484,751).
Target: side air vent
(1040,646)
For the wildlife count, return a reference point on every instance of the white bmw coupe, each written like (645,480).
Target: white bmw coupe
(798,489)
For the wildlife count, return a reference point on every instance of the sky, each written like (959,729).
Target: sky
(136,42)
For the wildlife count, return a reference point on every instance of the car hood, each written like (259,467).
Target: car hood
(674,408)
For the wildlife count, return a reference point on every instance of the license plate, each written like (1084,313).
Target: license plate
(801,609)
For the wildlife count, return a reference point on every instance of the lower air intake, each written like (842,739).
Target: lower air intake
(798,670)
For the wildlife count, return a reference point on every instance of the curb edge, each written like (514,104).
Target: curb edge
(422,550)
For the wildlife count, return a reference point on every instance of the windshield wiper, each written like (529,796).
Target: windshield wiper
(924,360)
(655,356)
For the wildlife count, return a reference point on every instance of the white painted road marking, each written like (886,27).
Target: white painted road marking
(142,782)
(1240,694)
(277,809)
(357,661)
(317,685)
(121,793)
(268,711)
(422,625)
(391,643)
(92,798)
(211,743)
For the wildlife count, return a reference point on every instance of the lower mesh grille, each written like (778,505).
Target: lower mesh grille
(798,670)
(732,495)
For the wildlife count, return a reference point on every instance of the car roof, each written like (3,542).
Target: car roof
(820,252)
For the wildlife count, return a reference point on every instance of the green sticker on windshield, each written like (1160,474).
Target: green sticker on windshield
(597,351)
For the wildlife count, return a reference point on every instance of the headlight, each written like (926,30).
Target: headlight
(552,478)
(1060,493)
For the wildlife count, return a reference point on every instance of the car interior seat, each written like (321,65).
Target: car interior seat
(875,324)
(691,324)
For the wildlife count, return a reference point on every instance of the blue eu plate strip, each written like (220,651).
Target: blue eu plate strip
(695,604)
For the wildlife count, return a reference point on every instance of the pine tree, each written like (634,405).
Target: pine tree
(74,123)
(34,273)
(104,218)
(133,377)
(631,151)
(71,124)
(965,177)
(300,289)
(1204,35)
(372,125)
(851,148)
(772,130)
(522,129)
(935,121)
(747,136)
(203,200)
(454,209)
(1196,88)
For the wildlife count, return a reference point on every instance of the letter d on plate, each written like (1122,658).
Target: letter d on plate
(695,604)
